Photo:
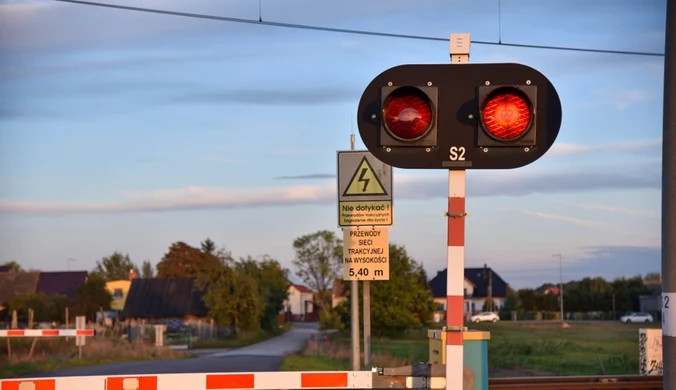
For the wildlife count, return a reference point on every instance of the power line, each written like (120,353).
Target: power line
(355,32)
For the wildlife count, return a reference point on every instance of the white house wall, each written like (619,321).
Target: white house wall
(296,301)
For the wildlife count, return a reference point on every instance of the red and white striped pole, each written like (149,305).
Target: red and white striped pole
(455,271)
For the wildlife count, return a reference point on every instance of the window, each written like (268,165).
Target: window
(118,293)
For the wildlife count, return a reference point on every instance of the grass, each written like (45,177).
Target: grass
(244,339)
(59,353)
(515,349)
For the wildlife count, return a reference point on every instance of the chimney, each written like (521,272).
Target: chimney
(132,274)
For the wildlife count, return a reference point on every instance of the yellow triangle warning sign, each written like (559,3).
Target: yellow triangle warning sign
(364,181)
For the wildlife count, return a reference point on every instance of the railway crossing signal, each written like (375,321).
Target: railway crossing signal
(445,116)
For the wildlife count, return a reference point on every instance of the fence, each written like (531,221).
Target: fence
(568,316)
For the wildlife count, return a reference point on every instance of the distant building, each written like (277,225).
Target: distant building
(300,303)
(551,290)
(479,285)
(160,300)
(60,282)
(119,289)
(49,283)
(651,302)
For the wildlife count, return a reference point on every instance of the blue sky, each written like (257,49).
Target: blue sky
(128,131)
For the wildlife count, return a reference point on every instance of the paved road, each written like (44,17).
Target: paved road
(286,344)
(266,356)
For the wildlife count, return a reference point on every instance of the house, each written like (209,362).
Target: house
(161,300)
(652,302)
(13,283)
(49,283)
(60,282)
(479,284)
(300,304)
(551,290)
(119,289)
(338,295)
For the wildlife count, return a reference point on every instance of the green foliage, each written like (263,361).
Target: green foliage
(255,292)
(330,319)
(489,305)
(91,297)
(45,309)
(587,295)
(13,265)
(184,261)
(115,267)
(208,246)
(232,298)
(273,287)
(401,303)
(147,270)
(318,261)
(511,301)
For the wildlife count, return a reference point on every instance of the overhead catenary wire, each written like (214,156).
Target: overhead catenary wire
(350,31)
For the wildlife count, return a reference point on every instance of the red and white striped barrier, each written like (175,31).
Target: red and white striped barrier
(45,333)
(222,381)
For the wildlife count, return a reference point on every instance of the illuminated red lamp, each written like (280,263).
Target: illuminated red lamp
(408,114)
(506,114)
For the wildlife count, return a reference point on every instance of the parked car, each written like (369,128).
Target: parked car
(485,317)
(636,317)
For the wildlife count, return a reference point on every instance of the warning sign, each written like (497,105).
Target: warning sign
(374,213)
(364,190)
(364,181)
(366,254)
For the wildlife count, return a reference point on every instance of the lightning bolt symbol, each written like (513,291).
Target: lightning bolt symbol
(361,178)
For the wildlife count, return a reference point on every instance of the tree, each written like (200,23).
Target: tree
(43,307)
(511,301)
(318,260)
(232,299)
(273,287)
(184,261)
(115,267)
(654,277)
(404,301)
(13,266)
(208,246)
(91,297)
(147,270)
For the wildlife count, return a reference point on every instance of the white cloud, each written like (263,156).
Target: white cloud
(576,221)
(502,183)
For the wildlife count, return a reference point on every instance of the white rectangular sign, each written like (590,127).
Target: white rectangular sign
(650,351)
(364,190)
(366,254)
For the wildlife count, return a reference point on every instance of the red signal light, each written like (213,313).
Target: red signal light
(408,114)
(507,113)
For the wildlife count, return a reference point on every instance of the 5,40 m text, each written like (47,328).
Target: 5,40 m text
(364,272)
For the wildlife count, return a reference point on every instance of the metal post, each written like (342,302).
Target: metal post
(354,298)
(455,271)
(669,204)
(366,291)
(560,283)
(366,286)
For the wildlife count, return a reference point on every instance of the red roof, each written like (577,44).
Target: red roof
(301,288)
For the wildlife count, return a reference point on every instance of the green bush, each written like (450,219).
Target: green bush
(330,320)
